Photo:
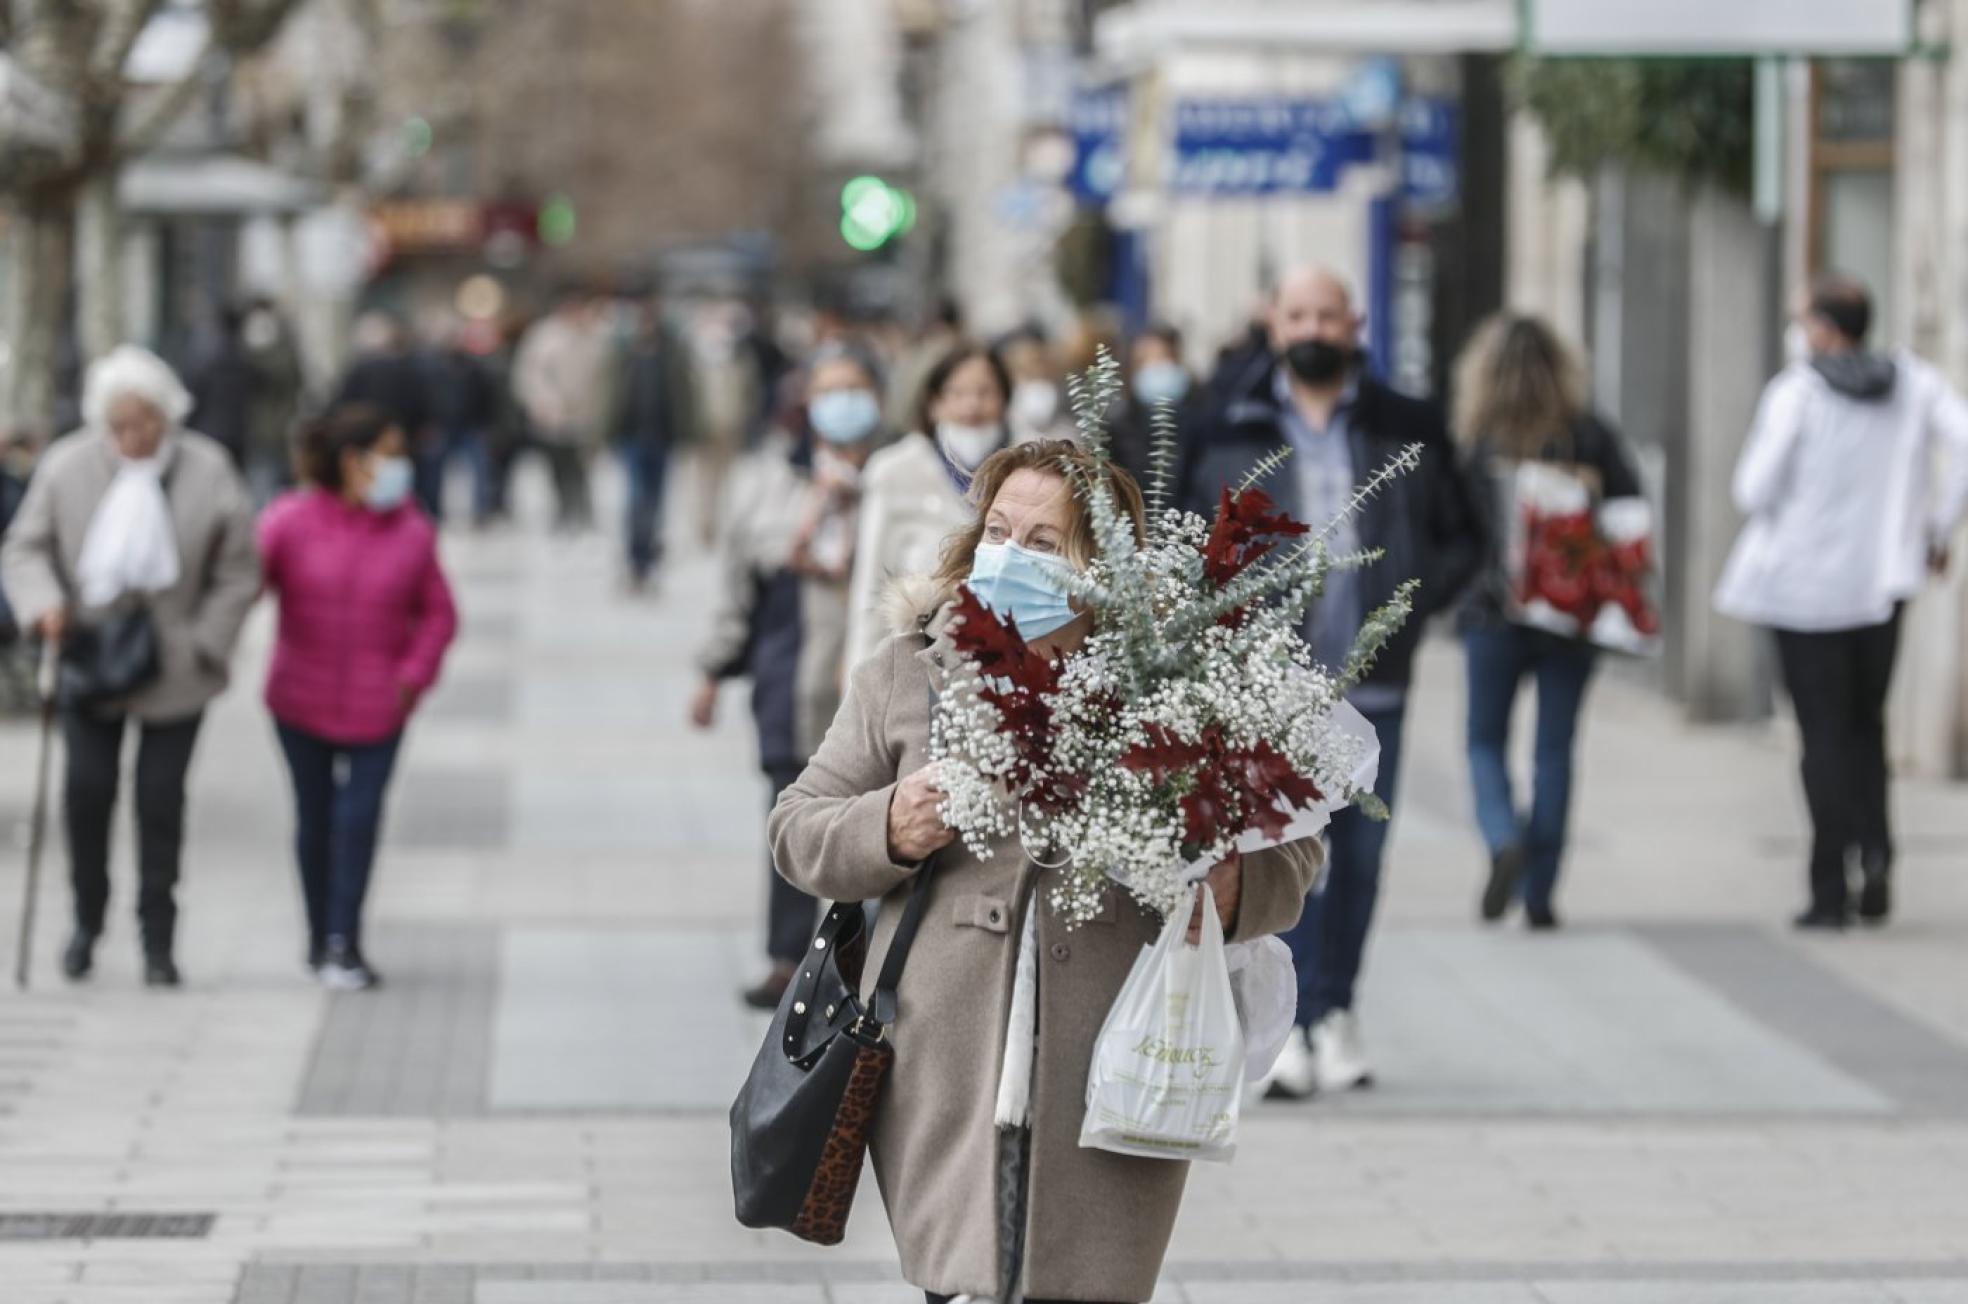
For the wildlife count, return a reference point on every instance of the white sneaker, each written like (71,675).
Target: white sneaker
(1338,1053)
(1296,1074)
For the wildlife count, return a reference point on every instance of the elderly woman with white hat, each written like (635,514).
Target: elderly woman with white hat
(134,550)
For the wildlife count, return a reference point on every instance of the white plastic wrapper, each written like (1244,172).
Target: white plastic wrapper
(1312,820)
(1264,982)
(1166,1080)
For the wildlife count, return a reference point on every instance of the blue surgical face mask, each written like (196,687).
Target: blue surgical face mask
(1029,587)
(844,416)
(1161,382)
(390,480)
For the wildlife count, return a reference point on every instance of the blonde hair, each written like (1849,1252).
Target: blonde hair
(1055,457)
(1517,386)
(128,369)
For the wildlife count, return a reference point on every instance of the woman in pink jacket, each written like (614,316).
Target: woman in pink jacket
(365,618)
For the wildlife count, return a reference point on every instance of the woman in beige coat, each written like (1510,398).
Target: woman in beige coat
(860,822)
(135,509)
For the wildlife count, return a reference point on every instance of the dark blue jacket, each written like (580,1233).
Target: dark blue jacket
(1426,520)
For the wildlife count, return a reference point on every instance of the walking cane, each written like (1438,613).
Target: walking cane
(44,683)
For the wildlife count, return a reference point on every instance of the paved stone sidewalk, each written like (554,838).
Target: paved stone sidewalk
(1673,1100)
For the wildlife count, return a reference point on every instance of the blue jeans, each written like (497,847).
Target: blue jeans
(432,463)
(1330,939)
(1499,656)
(647,462)
(338,806)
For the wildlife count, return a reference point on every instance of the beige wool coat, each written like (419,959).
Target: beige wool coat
(198,619)
(1097,1224)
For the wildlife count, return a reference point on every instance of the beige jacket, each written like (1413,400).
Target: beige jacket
(1098,1224)
(909,506)
(198,618)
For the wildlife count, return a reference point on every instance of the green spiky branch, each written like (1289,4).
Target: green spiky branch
(1093,396)
(1379,627)
(1163,450)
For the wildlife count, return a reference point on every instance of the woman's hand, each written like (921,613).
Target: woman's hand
(915,830)
(1226,884)
(704,705)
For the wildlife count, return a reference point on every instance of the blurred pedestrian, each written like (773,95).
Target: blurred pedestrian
(729,391)
(1847,515)
(221,384)
(1037,409)
(464,405)
(1155,376)
(655,413)
(941,332)
(786,554)
(560,378)
(387,374)
(1521,399)
(915,491)
(134,520)
(365,619)
(1342,425)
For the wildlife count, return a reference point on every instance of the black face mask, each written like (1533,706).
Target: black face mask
(1318,362)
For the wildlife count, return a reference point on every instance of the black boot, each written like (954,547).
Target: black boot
(1506,867)
(160,970)
(1875,887)
(80,955)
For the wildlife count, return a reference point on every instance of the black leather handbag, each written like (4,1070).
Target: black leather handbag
(109,659)
(800,1125)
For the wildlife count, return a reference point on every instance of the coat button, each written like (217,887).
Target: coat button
(1059,951)
(995,915)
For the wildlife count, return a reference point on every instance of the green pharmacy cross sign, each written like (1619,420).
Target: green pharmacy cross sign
(873,212)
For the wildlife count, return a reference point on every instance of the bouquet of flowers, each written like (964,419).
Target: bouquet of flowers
(1192,723)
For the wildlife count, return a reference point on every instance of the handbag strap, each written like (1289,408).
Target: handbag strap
(882,1004)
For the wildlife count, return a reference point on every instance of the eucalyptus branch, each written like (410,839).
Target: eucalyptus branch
(1266,465)
(1163,451)
(1408,459)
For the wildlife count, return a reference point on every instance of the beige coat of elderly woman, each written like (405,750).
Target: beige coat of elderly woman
(1097,1224)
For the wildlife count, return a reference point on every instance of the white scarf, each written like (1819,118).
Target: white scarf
(1014,1106)
(131,546)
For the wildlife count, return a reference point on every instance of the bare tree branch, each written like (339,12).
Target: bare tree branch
(120,23)
(140,138)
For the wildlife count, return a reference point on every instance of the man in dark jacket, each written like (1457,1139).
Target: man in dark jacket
(655,411)
(1342,426)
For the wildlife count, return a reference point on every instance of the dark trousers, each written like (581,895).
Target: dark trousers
(1837,681)
(647,462)
(790,914)
(1499,657)
(95,747)
(1330,939)
(573,506)
(338,815)
(432,462)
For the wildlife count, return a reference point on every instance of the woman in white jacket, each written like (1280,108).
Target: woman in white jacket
(1848,511)
(915,493)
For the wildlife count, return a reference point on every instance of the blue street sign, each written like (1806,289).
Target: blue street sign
(1098,121)
(1429,172)
(1265,146)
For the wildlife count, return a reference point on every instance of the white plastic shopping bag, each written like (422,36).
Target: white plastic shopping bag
(1264,982)
(1167,1074)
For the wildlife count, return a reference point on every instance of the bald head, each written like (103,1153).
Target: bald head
(1313,303)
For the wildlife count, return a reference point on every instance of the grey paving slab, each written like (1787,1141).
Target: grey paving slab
(1588,1022)
(1782,988)
(1723,1292)
(600,1020)
(476,698)
(450,807)
(1928,1292)
(598,1292)
(625,808)
(1434,1292)
(419,1045)
(267,1284)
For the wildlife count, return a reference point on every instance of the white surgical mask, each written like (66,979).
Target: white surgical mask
(968,446)
(389,483)
(1034,403)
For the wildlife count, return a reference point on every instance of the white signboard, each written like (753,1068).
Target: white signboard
(1718,27)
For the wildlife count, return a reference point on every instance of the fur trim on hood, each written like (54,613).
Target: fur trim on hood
(910,602)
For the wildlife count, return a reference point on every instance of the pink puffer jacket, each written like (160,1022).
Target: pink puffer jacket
(365,614)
